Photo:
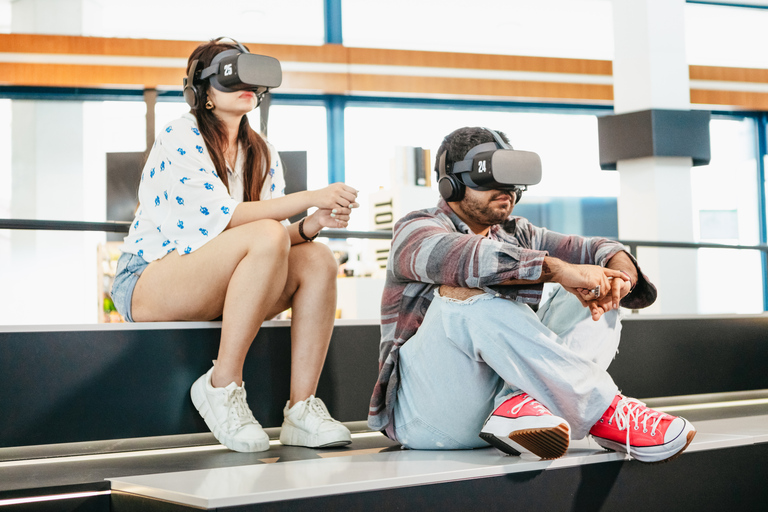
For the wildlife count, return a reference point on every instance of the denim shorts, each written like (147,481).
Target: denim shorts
(129,268)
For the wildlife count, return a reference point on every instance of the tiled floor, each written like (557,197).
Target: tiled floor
(384,467)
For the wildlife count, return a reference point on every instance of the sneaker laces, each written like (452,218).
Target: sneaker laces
(630,410)
(239,412)
(516,409)
(316,407)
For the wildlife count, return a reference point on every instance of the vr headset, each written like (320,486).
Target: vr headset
(234,70)
(489,166)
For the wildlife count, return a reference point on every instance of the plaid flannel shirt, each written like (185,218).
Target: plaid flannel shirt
(434,246)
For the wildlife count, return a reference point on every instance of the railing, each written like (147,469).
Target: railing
(123,227)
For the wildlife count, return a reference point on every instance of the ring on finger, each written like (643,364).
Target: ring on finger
(595,291)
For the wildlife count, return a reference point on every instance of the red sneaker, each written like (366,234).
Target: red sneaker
(646,434)
(521,424)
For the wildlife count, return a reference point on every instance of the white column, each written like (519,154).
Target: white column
(650,71)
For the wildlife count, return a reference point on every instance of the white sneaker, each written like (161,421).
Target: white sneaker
(227,414)
(309,424)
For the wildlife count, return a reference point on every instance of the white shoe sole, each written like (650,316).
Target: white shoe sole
(546,437)
(653,454)
(291,435)
(200,402)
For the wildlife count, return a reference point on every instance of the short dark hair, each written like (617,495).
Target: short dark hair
(458,143)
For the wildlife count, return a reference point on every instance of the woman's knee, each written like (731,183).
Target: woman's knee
(267,236)
(315,259)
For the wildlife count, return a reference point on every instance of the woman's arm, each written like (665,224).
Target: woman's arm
(334,196)
(313,224)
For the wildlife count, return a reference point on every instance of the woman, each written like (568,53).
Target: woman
(208,242)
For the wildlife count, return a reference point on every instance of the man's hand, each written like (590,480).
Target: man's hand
(600,289)
(620,287)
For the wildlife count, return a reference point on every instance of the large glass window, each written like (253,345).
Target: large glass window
(55,277)
(5,16)
(717,35)
(567,144)
(301,128)
(59,277)
(291,128)
(726,211)
(167,111)
(550,28)
(256,21)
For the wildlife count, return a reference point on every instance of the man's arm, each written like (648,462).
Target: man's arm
(583,280)
(427,249)
(574,276)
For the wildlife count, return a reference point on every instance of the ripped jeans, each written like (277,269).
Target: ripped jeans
(469,356)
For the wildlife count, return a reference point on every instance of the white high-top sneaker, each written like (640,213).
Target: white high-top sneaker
(227,414)
(309,424)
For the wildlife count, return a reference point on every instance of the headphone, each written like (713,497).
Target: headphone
(197,74)
(451,188)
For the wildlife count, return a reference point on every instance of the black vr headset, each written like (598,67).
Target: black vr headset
(489,166)
(234,70)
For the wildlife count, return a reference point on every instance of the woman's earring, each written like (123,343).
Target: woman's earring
(209,104)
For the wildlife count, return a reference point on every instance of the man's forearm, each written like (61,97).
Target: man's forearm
(550,269)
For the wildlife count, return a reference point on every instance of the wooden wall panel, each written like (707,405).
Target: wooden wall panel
(746,100)
(14,70)
(478,61)
(72,75)
(472,87)
(729,74)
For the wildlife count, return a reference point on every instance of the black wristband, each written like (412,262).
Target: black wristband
(301,231)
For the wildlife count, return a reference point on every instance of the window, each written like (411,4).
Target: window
(717,35)
(294,22)
(567,144)
(551,28)
(301,128)
(726,207)
(50,277)
(5,16)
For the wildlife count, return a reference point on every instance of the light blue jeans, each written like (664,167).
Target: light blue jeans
(469,356)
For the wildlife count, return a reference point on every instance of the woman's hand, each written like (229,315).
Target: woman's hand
(335,196)
(336,218)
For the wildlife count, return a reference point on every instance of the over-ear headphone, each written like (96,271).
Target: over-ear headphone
(448,184)
(451,188)
(193,79)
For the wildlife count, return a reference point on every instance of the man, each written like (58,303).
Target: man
(463,358)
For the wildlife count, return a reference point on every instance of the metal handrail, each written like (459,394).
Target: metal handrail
(632,245)
(123,227)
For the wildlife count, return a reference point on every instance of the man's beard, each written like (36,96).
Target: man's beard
(484,213)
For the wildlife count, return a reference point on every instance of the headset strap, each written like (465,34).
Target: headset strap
(498,139)
(466,164)
(243,49)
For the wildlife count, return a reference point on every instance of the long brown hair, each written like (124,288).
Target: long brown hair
(257,158)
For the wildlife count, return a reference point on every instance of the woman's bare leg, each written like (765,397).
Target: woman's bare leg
(239,275)
(310,291)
